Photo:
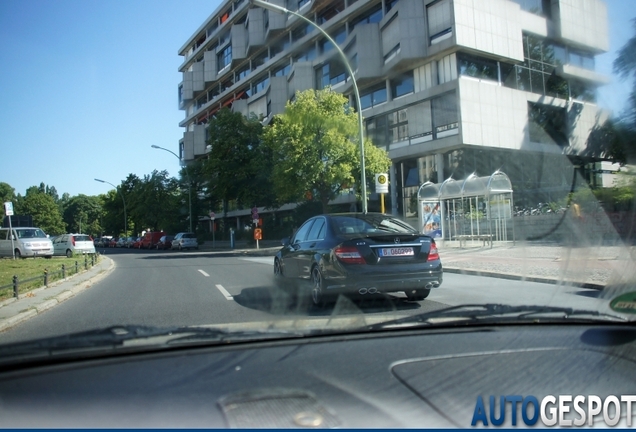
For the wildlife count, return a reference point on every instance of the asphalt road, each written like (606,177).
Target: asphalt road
(165,289)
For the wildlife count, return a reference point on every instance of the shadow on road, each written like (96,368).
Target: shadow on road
(278,301)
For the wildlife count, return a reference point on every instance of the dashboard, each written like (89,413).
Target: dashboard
(423,378)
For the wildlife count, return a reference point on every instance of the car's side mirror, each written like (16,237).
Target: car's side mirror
(285,241)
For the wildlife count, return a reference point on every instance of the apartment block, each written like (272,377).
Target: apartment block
(448,87)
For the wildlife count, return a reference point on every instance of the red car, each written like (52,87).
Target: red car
(150,239)
(113,242)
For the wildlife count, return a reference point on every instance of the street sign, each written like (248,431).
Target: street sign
(382,183)
(258,234)
(254,213)
(212,215)
(8,208)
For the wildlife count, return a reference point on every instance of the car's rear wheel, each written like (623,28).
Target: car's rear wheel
(318,297)
(69,253)
(417,294)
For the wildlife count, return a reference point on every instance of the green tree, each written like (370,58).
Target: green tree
(7,193)
(237,167)
(86,211)
(625,67)
(315,150)
(43,209)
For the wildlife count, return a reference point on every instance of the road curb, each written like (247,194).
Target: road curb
(520,277)
(45,305)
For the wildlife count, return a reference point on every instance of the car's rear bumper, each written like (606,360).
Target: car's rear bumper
(362,283)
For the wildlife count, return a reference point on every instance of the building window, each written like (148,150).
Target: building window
(224,58)
(477,67)
(377,130)
(302,3)
(537,7)
(331,11)
(581,59)
(330,74)
(390,4)
(398,126)
(372,16)
(306,55)
(260,85)
(282,71)
(339,36)
(302,31)
(445,116)
(371,98)
(392,53)
(439,21)
(547,124)
(259,60)
(279,46)
(243,72)
(402,85)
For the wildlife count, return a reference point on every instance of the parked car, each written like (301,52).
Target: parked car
(71,244)
(150,239)
(26,242)
(102,242)
(130,241)
(185,240)
(113,242)
(359,253)
(121,242)
(165,242)
(136,244)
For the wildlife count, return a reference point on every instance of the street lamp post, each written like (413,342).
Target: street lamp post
(276,8)
(189,179)
(122,198)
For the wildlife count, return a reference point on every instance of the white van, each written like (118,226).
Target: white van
(27,242)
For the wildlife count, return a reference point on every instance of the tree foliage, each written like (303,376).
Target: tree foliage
(315,150)
(83,211)
(238,165)
(42,207)
(625,67)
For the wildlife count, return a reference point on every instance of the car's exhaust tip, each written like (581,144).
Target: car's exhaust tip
(363,291)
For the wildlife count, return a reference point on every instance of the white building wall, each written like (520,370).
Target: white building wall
(584,22)
(491,26)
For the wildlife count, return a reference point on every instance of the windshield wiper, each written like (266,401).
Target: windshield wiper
(492,312)
(127,335)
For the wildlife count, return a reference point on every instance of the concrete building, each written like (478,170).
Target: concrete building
(448,87)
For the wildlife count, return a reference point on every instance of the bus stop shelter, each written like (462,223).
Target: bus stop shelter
(473,209)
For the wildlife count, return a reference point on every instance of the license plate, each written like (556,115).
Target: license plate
(402,251)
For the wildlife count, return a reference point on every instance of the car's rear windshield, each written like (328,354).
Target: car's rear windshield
(82,237)
(370,224)
(189,235)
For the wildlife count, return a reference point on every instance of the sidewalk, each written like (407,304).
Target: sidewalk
(585,266)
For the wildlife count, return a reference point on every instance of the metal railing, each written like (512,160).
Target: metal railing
(49,276)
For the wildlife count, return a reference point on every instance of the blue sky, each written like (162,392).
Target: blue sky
(88,86)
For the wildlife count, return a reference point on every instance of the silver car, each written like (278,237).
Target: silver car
(185,240)
(72,244)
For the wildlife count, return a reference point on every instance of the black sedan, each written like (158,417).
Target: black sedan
(351,253)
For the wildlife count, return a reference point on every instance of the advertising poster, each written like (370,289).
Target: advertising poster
(430,218)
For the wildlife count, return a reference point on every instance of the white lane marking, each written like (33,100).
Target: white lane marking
(260,260)
(226,294)
(204,273)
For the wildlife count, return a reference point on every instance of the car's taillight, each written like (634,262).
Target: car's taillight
(349,255)
(433,254)
(73,240)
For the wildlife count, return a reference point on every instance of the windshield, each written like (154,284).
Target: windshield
(30,233)
(419,156)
